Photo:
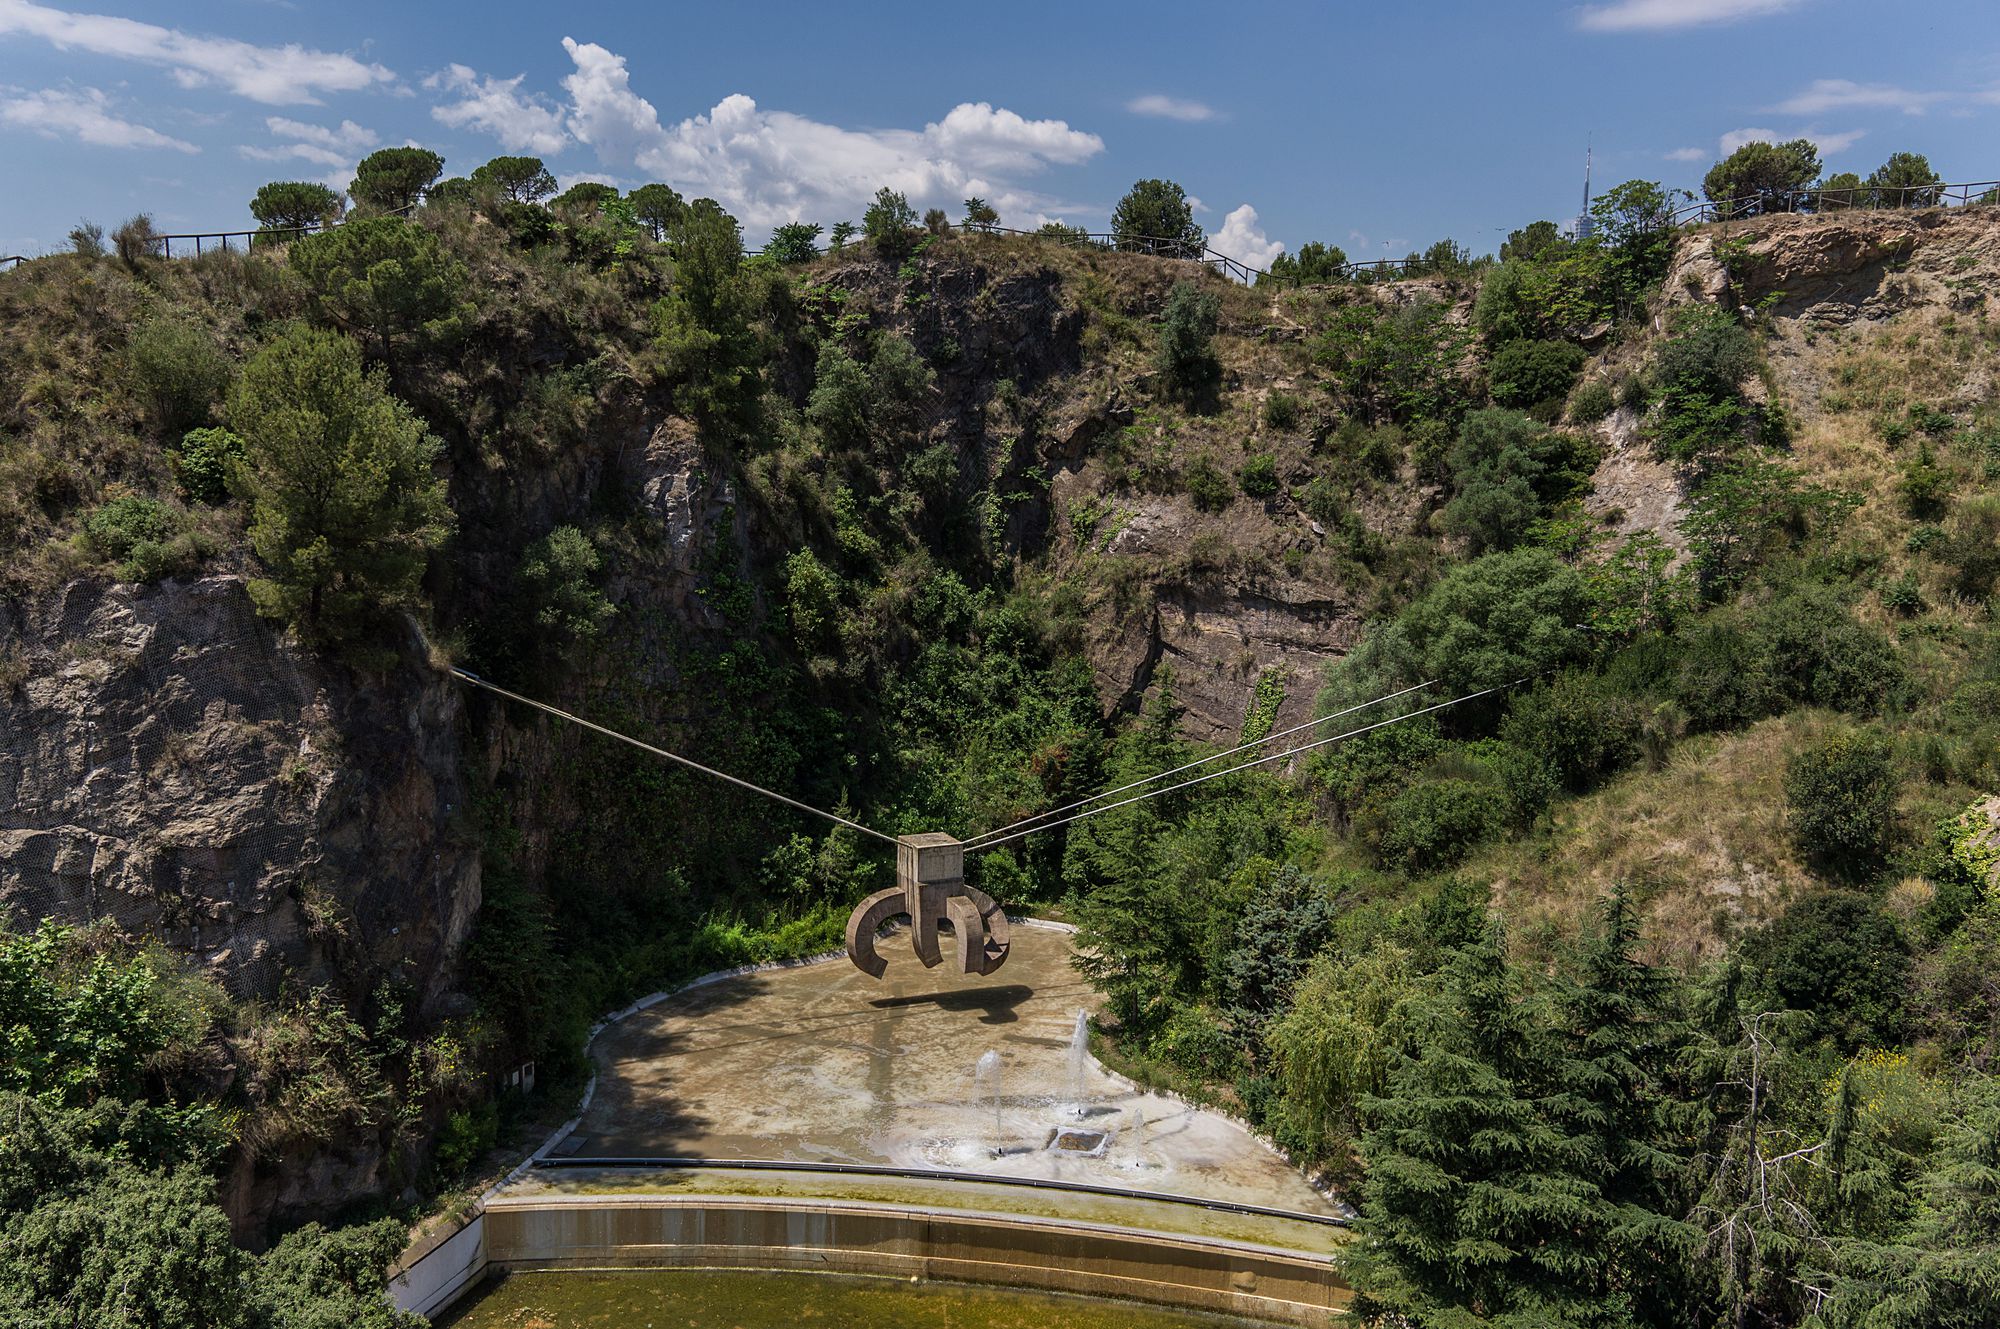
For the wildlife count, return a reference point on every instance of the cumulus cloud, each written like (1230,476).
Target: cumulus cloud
(768,166)
(338,148)
(1838,94)
(1242,239)
(1840,142)
(495,106)
(85,116)
(604,112)
(1170,108)
(1664,15)
(289,75)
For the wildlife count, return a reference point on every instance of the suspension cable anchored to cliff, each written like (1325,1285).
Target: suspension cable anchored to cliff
(1003,837)
(559,713)
(1024,824)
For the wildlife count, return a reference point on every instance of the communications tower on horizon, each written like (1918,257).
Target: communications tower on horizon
(1585,227)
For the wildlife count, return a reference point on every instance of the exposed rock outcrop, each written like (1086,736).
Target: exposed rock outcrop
(1843,266)
(170,763)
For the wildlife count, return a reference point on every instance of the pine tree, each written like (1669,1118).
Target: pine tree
(1622,1042)
(1944,1271)
(1479,1209)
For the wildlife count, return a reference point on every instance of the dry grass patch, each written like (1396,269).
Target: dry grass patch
(1701,844)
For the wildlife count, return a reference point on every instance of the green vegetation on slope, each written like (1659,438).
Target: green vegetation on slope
(1743,1082)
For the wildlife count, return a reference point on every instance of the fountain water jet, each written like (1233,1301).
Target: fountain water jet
(1079,1061)
(986,1074)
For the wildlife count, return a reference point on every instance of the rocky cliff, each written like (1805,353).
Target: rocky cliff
(168,762)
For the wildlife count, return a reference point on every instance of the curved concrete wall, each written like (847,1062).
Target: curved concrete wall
(851,1237)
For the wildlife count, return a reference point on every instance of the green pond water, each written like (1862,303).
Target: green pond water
(717,1299)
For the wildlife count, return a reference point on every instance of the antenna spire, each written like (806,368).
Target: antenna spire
(1585,227)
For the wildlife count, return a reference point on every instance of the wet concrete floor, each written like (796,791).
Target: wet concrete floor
(823,1064)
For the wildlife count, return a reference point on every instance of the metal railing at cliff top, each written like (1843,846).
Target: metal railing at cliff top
(1811,201)
(1819,201)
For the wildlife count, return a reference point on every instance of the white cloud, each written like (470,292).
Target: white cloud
(337,148)
(770,167)
(603,110)
(1242,239)
(348,137)
(1687,155)
(1840,142)
(288,75)
(766,166)
(1736,138)
(1837,94)
(495,106)
(1170,108)
(1658,15)
(85,116)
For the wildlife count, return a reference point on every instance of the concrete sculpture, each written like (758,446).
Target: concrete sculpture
(930,890)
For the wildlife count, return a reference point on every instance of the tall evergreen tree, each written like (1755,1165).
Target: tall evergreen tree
(1622,1042)
(1479,1207)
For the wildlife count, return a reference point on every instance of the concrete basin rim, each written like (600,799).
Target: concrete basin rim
(823,1205)
(946,1175)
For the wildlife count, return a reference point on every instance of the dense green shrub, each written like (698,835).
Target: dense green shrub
(1971,546)
(1155,210)
(812,601)
(1486,623)
(1697,373)
(559,574)
(1258,476)
(1763,177)
(345,508)
(890,225)
(1207,485)
(1838,957)
(1840,797)
(1924,485)
(1281,410)
(1567,293)
(394,179)
(386,277)
(204,462)
(1400,364)
(1820,656)
(1572,725)
(1529,373)
(1591,401)
(1433,824)
(516,179)
(178,372)
(288,206)
(146,538)
(1187,359)
(794,242)
(1506,470)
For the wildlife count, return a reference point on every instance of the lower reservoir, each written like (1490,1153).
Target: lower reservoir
(739,1299)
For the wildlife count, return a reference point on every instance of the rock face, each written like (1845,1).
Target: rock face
(1219,629)
(170,763)
(1840,267)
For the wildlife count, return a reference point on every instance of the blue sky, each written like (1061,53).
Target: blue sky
(1378,127)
